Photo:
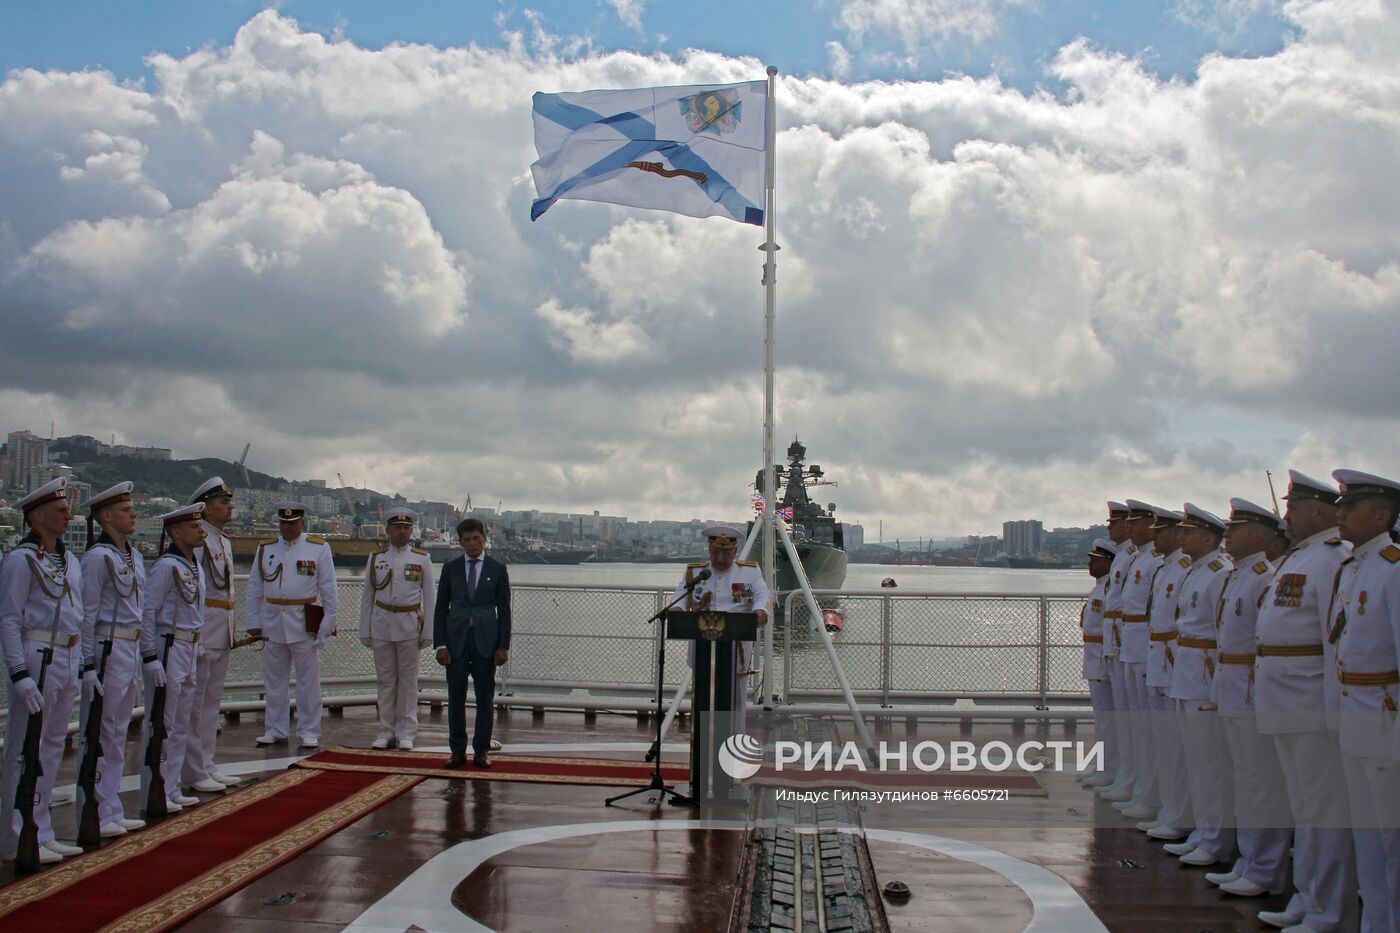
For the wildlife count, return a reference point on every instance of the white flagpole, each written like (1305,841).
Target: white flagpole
(770,283)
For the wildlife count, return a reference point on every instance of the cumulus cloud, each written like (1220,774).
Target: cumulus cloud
(992,304)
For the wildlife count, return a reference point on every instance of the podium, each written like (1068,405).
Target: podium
(713,699)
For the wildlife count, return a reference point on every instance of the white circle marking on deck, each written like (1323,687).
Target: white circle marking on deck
(424,898)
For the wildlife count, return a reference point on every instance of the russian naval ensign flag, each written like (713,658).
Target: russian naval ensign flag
(697,150)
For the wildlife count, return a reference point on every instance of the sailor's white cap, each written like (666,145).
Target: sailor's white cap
(1117,510)
(1138,509)
(185,513)
(289,510)
(1303,486)
(1166,518)
(1242,511)
(1103,547)
(118,493)
(1357,485)
(400,516)
(212,488)
(1193,516)
(53,489)
(723,534)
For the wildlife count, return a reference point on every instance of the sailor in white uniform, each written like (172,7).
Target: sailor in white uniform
(1119,739)
(172,625)
(1207,759)
(215,559)
(114,582)
(1136,589)
(1262,817)
(41,612)
(1174,820)
(292,603)
(733,586)
(1091,628)
(1295,687)
(397,590)
(1366,617)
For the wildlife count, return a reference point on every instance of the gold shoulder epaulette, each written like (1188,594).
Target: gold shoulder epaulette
(1260,566)
(265,543)
(1334,541)
(1216,564)
(699,563)
(747,563)
(417,550)
(316,539)
(1185,562)
(1391,553)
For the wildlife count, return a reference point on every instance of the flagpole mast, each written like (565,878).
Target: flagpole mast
(770,283)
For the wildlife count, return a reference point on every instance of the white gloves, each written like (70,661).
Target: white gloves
(156,671)
(29,694)
(92,687)
(367,641)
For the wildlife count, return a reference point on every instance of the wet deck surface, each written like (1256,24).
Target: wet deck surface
(651,880)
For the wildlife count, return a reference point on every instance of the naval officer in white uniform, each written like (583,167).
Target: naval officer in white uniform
(292,603)
(398,586)
(733,586)
(114,582)
(41,608)
(1366,619)
(215,559)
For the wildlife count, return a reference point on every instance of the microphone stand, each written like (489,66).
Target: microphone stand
(675,797)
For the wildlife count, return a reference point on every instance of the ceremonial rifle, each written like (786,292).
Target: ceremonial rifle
(27,791)
(89,822)
(155,793)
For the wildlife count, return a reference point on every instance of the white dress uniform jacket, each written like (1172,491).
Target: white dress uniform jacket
(1136,589)
(173,610)
(1295,680)
(1113,600)
(1366,616)
(287,576)
(1091,624)
(1162,631)
(398,589)
(215,560)
(1196,630)
(1232,691)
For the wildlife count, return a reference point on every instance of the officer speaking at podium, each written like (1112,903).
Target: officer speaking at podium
(732,586)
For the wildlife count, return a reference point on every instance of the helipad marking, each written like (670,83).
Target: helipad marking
(424,898)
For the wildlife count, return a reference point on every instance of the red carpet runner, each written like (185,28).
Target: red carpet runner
(159,877)
(538,769)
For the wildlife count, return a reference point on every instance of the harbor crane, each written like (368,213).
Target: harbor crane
(355,518)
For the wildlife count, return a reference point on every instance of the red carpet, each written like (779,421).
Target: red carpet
(606,772)
(160,877)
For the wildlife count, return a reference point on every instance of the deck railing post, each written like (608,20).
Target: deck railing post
(1044,655)
(886,641)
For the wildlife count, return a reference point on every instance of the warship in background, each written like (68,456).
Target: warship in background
(816,534)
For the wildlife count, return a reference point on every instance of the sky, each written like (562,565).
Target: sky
(1035,255)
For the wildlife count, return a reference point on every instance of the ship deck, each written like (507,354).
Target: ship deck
(639,867)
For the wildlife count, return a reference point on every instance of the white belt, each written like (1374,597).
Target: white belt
(48,637)
(180,634)
(125,632)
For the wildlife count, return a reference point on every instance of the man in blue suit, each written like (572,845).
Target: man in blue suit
(471,632)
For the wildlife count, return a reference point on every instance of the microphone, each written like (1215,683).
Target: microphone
(699,578)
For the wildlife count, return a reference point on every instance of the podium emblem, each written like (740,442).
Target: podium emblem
(711,625)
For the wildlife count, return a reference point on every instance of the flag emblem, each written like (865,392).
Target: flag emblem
(717,111)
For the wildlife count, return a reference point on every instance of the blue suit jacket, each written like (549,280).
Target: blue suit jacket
(484,617)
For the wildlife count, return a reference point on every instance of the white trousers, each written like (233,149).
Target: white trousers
(60,691)
(118,699)
(180,672)
(211,669)
(396,669)
(1375,811)
(1101,699)
(1324,856)
(1263,819)
(278,661)
(1169,760)
(1208,776)
(1144,762)
(1126,775)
